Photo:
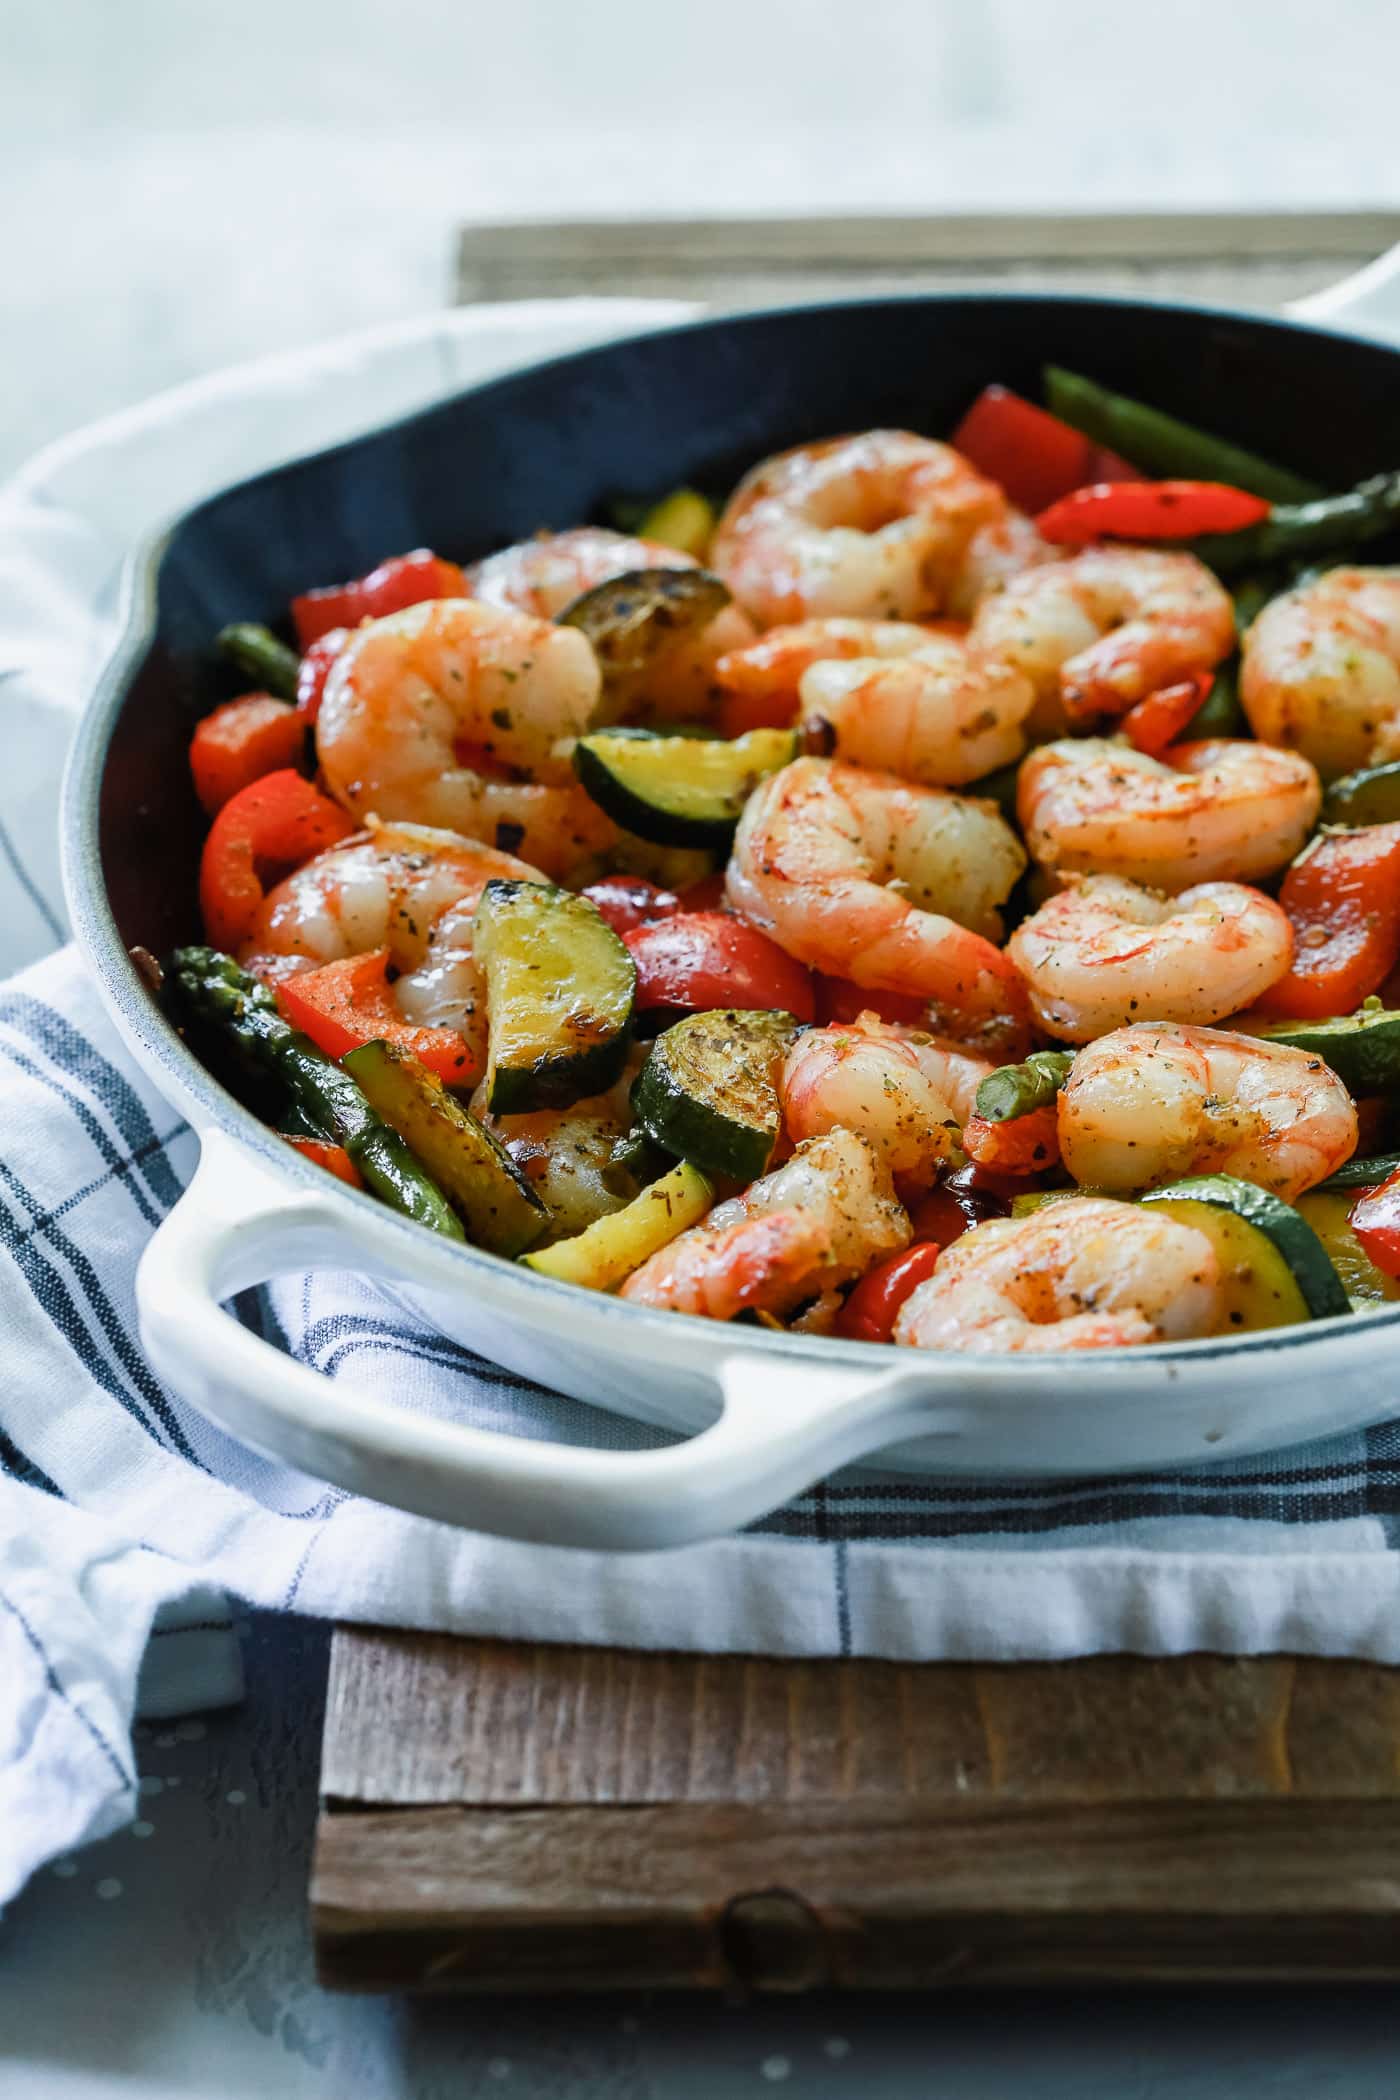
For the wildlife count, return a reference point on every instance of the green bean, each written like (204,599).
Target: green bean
(1163,445)
(1327,525)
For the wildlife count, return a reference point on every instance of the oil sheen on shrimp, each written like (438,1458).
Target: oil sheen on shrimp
(404,887)
(935,710)
(891,886)
(870,526)
(460,715)
(543,575)
(1091,1274)
(1150,1103)
(907,1093)
(1106,952)
(1223,809)
(817,1221)
(1103,629)
(1321,670)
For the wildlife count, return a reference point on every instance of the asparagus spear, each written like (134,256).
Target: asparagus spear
(1014,1090)
(1163,445)
(1324,526)
(221,994)
(257,651)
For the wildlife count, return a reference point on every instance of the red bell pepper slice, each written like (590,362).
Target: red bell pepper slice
(346,1003)
(1033,455)
(1343,896)
(1020,1145)
(1149,510)
(315,669)
(939,1215)
(1159,719)
(239,743)
(839,1002)
(702,959)
(630,901)
(408,579)
(334,1158)
(1375,1219)
(261,834)
(870,1312)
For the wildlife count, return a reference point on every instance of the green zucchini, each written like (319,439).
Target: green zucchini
(633,619)
(1275,1270)
(607,1251)
(708,1091)
(560,989)
(1363,1048)
(1371,796)
(478,1176)
(685,520)
(1329,1214)
(679,790)
(1361,1173)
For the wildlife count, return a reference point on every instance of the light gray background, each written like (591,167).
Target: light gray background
(183,185)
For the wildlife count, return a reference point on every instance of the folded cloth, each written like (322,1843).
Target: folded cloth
(123,1513)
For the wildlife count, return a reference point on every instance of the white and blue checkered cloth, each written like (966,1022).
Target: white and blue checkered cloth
(127,1521)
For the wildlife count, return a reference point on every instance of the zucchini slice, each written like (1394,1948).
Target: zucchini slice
(708,1091)
(1330,1218)
(679,790)
(633,619)
(609,1250)
(1360,1173)
(1363,1048)
(560,988)
(1371,796)
(685,520)
(1275,1269)
(496,1204)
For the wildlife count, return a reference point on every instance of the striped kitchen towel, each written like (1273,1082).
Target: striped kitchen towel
(127,1520)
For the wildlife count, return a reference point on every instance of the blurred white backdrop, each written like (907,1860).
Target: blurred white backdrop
(187,184)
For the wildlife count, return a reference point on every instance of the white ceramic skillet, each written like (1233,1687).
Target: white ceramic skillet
(766,1414)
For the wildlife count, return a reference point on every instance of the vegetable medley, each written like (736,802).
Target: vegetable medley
(944,894)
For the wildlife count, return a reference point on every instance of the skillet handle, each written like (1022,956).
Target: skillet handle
(1367,301)
(782,1426)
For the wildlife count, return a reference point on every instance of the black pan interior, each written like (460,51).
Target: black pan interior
(554,445)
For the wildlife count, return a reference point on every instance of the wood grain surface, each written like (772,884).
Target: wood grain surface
(497,1817)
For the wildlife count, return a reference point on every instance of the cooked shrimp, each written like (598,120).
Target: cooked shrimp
(1321,670)
(545,574)
(1222,809)
(890,886)
(404,887)
(1006,547)
(871,525)
(888,694)
(817,1221)
(458,714)
(1150,1103)
(909,1094)
(1088,1274)
(1105,952)
(1101,630)
(566,1155)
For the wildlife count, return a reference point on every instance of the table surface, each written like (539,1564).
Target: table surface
(189,201)
(174,1960)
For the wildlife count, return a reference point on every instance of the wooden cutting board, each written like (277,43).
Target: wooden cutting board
(531,1818)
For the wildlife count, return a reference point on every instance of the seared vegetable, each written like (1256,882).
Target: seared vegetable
(1361,1174)
(685,520)
(495,1202)
(220,994)
(1371,796)
(257,651)
(1163,444)
(1275,1270)
(607,1253)
(560,989)
(1015,1090)
(679,790)
(1326,524)
(632,618)
(708,1092)
(1363,1048)
(1329,1214)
